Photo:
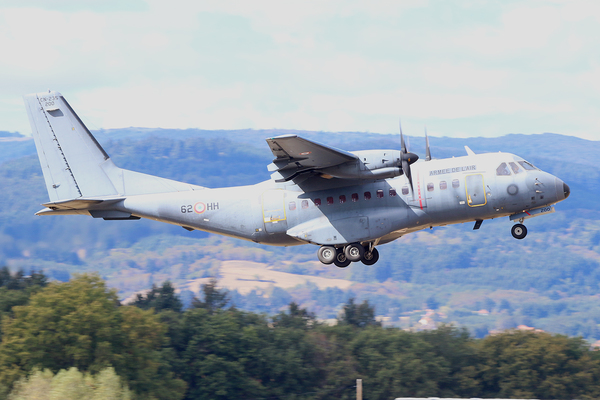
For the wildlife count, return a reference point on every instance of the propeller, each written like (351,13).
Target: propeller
(427,151)
(406,158)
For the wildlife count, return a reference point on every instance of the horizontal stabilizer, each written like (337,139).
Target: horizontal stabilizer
(80,204)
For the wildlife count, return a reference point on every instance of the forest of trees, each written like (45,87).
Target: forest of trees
(75,340)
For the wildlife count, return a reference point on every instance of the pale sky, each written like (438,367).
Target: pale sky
(463,68)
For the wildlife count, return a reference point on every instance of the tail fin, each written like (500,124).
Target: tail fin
(72,161)
(74,164)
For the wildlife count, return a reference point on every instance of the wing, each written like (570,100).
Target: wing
(295,156)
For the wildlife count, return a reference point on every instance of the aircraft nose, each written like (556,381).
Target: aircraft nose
(566,190)
(562,190)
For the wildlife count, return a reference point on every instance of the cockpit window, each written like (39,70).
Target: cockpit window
(515,168)
(502,169)
(527,166)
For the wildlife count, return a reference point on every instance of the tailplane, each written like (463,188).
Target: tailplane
(74,164)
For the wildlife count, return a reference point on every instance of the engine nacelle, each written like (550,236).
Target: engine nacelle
(377,159)
(371,164)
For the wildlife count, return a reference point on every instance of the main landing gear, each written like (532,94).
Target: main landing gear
(343,256)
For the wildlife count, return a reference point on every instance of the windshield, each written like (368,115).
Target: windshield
(515,168)
(528,166)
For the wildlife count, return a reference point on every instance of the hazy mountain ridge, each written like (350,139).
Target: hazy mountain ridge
(558,263)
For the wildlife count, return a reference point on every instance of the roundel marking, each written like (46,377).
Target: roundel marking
(199,207)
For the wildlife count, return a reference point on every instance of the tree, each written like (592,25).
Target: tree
(70,385)
(214,299)
(358,315)
(222,354)
(298,318)
(537,365)
(81,324)
(16,289)
(458,350)
(398,363)
(163,298)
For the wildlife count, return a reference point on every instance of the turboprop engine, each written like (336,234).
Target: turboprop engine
(371,164)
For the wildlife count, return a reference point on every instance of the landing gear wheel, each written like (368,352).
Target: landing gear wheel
(519,231)
(340,259)
(354,251)
(326,254)
(370,257)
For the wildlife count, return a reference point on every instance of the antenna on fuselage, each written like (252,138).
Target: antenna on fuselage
(427,150)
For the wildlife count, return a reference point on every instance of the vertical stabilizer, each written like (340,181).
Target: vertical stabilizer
(72,161)
(74,164)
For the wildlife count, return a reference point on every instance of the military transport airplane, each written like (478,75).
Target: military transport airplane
(347,203)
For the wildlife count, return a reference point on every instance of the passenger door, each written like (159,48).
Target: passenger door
(273,207)
(475,190)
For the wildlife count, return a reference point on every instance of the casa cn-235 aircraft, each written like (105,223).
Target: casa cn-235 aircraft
(347,203)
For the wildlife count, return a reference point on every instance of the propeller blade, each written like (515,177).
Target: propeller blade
(406,158)
(427,151)
(406,171)
(402,144)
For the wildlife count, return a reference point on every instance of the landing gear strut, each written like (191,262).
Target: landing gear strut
(518,231)
(343,256)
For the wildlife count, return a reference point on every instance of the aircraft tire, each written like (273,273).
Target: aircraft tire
(519,231)
(326,254)
(354,252)
(370,257)
(340,259)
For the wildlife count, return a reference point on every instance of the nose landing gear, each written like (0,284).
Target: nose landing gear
(343,256)
(519,231)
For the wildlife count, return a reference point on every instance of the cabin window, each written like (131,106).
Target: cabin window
(430,187)
(404,190)
(304,204)
(393,192)
(455,183)
(318,202)
(292,205)
(443,185)
(527,166)
(342,198)
(515,168)
(502,170)
(367,195)
(355,197)
(380,194)
(329,200)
